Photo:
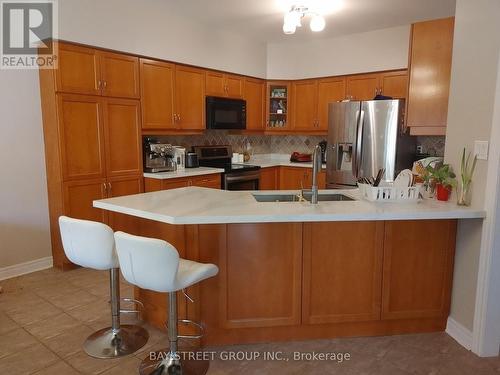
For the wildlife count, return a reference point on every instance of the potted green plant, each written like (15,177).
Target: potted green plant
(466,172)
(444,179)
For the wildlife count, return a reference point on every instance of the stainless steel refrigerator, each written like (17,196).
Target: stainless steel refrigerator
(364,137)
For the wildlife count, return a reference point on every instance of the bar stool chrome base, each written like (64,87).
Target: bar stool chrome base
(170,365)
(109,343)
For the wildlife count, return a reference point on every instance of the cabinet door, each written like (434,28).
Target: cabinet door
(235,86)
(304,105)
(362,87)
(123,136)
(293,178)
(395,84)
(81,134)
(260,275)
(120,186)
(329,90)
(342,272)
(418,268)
(120,75)
(254,96)
(157,94)
(209,181)
(268,179)
(430,52)
(78,70)
(215,85)
(78,198)
(322,179)
(190,97)
(174,183)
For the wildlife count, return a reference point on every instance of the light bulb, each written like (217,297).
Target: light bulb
(317,23)
(290,22)
(289,28)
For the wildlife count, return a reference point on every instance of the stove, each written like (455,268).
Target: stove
(235,176)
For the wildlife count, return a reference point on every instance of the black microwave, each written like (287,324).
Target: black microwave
(224,113)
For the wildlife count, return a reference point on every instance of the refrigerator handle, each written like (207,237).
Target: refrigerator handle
(359,143)
(355,148)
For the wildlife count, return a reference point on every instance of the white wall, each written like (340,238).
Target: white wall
(24,218)
(153,28)
(470,115)
(364,52)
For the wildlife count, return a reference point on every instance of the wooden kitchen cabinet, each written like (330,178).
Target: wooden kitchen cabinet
(120,186)
(255,98)
(189,98)
(157,94)
(278,98)
(394,84)
(293,178)
(342,277)
(362,86)
(431,47)
(330,90)
(212,181)
(78,197)
(304,104)
(81,136)
(84,70)
(120,75)
(224,85)
(271,256)
(269,178)
(122,129)
(418,268)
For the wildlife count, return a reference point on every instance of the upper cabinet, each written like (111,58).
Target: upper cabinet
(329,90)
(88,71)
(394,84)
(362,86)
(277,105)
(225,85)
(430,71)
(172,96)
(255,96)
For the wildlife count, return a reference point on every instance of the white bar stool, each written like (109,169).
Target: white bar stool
(92,245)
(155,265)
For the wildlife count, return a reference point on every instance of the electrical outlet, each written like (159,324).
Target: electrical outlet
(420,149)
(481,149)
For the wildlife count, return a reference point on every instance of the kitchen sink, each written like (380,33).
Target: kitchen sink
(295,197)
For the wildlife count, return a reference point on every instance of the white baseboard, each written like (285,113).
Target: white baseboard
(458,332)
(26,267)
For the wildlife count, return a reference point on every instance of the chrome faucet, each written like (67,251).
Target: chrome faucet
(317,164)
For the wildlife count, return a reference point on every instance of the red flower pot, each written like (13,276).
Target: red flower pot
(442,192)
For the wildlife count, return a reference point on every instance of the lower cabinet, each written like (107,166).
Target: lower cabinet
(78,198)
(342,271)
(212,181)
(269,178)
(418,268)
(293,178)
(119,186)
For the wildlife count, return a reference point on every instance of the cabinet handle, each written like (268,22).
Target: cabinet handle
(179,117)
(110,189)
(105,189)
(105,84)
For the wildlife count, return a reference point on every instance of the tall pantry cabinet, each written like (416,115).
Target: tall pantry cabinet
(91,119)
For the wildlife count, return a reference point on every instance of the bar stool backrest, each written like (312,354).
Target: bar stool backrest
(149,263)
(88,244)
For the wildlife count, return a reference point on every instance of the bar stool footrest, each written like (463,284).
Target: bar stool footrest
(193,323)
(129,311)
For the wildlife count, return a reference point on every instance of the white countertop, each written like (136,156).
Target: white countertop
(188,172)
(196,205)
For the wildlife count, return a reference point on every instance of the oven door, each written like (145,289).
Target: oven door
(241,181)
(223,113)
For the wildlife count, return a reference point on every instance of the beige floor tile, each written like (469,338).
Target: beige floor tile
(69,342)
(27,361)
(91,366)
(59,368)
(53,326)
(19,299)
(56,289)
(6,323)
(128,366)
(71,300)
(33,312)
(91,312)
(14,341)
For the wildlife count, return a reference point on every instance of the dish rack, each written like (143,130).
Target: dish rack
(389,193)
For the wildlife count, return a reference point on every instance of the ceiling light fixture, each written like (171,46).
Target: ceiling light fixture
(293,17)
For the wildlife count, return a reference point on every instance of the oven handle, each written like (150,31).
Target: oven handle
(243,177)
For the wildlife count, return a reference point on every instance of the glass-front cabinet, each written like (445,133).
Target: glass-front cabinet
(278,97)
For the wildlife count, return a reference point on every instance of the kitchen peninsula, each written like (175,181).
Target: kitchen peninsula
(294,271)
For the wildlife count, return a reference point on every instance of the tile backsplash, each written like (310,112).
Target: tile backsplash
(276,144)
(260,144)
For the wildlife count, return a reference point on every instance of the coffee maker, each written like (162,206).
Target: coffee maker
(159,157)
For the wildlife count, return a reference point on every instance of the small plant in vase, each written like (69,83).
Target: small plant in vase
(466,173)
(444,178)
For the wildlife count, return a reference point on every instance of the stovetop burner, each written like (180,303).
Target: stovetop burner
(220,157)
